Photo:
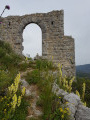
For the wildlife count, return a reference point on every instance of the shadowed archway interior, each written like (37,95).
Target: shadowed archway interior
(32,40)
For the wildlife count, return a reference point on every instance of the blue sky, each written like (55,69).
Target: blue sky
(76,23)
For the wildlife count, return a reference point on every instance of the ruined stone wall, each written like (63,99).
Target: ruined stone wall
(54,43)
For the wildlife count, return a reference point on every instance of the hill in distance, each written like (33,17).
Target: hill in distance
(83,70)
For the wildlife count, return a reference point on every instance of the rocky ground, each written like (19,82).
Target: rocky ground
(32,93)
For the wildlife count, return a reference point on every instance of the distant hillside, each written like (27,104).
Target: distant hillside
(83,71)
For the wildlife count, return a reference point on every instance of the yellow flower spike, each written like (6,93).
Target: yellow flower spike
(77,93)
(59,97)
(67,109)
(85,104)
(2,98)
(23,91)
(7,104)
(14,102)
(5,97)
(61,110)
(4,110)
(58,65)
(60,70)
(62,116)
(83,87)
(19,101)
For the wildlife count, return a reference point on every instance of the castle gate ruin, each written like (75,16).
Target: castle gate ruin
(54,43)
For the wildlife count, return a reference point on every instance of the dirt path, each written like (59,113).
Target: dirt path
(32,94)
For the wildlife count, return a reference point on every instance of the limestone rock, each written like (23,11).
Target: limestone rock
(78,110)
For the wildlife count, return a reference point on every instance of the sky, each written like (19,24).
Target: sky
(76,23)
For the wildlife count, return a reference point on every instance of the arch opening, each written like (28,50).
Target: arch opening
(32,40)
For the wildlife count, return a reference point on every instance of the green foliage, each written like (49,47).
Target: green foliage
(33,77)
(6,78)
(21,112)
(23,66)
(78,86)
(44,64)
(6,47)
(8,59)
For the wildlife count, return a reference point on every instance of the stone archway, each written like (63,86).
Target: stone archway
(36,20)
(54,43)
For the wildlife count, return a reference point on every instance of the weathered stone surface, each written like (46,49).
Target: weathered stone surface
(78,111)
(54,43)
(83,113)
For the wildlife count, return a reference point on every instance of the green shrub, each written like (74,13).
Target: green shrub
(33,77)
(2,53)
(23,66)
(5,46)
(44,64)
(8,59)
(6,78)
(78,86)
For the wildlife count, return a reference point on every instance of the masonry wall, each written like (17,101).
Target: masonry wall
(54,43)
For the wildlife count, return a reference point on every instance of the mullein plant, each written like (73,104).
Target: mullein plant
(83,90)
(83,93)
(12,100)
(64,83)
(67,85)
(77,93)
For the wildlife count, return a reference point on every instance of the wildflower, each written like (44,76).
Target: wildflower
(7,7)
(77,93)
(84,87)
(7,104)
(23,91)
(14,98)
(62,116)
(14,87)
(2,98)
(4,110)
(59,97)
(85,104)
(64,81)
(66,102)
(60,68)
(19,101)
(5,97)
(61,110)
(67,109)
(0,22)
